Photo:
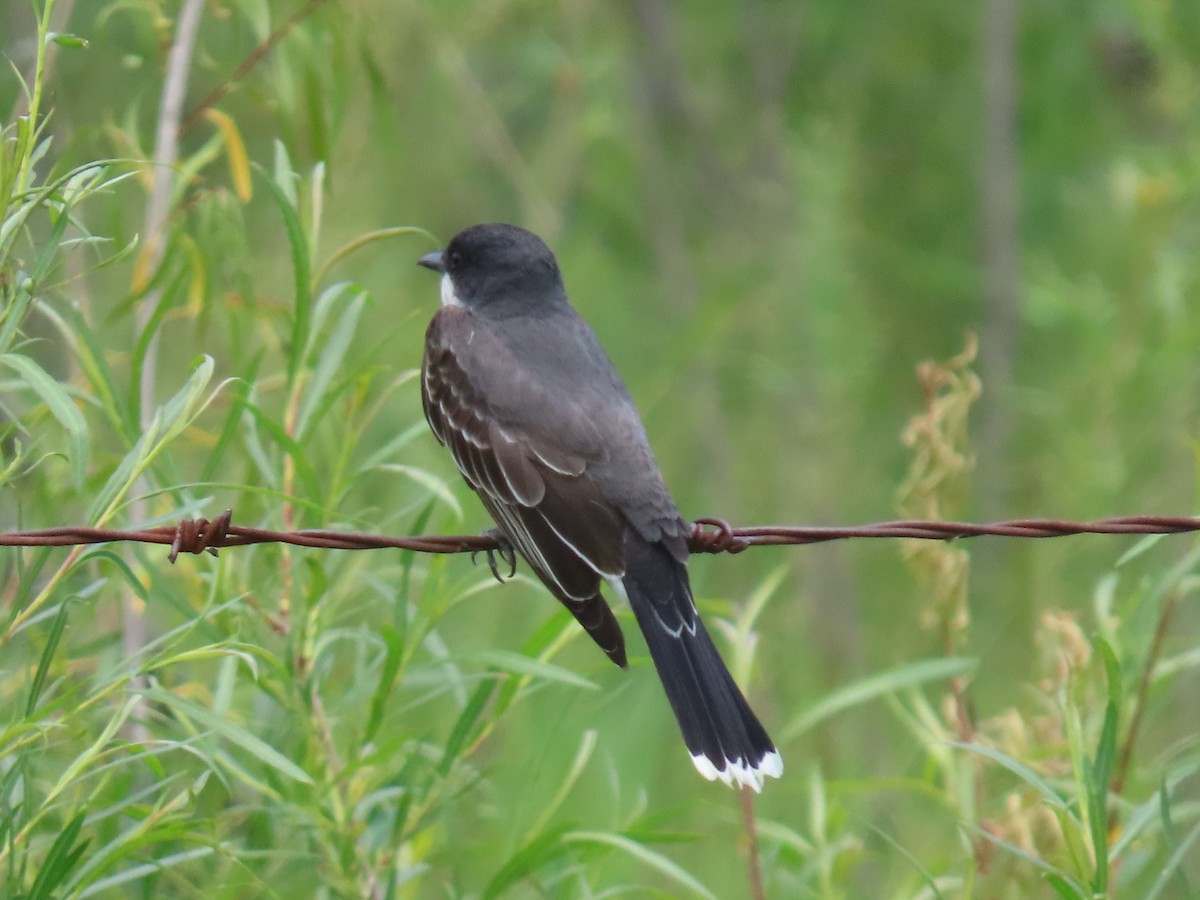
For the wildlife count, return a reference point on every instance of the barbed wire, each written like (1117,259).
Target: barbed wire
(709,534)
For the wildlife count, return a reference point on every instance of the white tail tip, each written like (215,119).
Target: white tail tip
(737,772)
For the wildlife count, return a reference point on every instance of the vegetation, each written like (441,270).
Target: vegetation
(772,214)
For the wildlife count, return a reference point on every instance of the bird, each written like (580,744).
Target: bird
(517,386)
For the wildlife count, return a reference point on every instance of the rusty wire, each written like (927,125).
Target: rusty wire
(709,535)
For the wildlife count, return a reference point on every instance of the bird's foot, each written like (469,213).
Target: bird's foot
(504,551)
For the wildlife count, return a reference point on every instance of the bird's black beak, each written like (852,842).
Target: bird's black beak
(432,261)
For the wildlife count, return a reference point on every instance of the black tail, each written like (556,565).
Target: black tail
(725,738)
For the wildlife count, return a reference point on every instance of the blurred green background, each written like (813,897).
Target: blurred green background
(771,213)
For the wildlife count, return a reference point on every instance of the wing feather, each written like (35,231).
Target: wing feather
(524,482)
(533,490)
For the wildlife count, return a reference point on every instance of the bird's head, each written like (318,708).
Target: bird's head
(498,270)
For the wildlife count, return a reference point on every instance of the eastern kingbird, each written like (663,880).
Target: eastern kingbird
(542,428)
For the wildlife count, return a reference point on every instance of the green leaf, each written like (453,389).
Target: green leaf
(432,483)
(586,747)
(1035,861)
(239,391)
(466,724)
(301,263)
(63,855)
(874,687)
(13,315)
(61,406)
(662,864)
(393,658)
(85,759)
(1099,773)
(544,848)
(931,883)
(91,358)
(333,353)
(305,473)
(317,107)
(1141,546)
(69,40)
(51,246)
(1173,868)
(1112,668)
(1035,781)
(169,422)
(47,657)
(1065,889)
(141,347)
(507,661)
(234,734)
(366,239)
(542,643)
(136,873)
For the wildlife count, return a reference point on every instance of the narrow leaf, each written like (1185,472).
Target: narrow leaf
(662,864)
(507,661)
(525,862)
(235,734)
(301,273)
(1022,771)
(52,639)
(333,353)
(466,724)
(235,152)
(63,856)
(61,406)
(875,687)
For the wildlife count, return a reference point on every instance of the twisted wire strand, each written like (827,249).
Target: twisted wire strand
(709,534)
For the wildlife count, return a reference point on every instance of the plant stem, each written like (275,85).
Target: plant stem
(753,864)
(35,99)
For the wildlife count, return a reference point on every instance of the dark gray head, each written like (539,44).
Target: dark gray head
(499,270)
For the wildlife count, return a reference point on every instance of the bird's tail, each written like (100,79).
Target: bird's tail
(724,736)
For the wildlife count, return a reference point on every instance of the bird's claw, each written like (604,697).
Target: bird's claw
(504,550)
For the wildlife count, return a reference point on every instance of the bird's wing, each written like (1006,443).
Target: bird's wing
(536,488)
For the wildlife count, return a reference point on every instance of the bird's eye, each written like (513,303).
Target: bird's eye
(455,259)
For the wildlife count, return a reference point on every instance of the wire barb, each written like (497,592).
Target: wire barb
(723,540)
(198,535)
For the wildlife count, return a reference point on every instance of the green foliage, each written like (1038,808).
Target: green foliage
(770,213)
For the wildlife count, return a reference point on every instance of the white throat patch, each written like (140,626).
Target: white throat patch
(449,298)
